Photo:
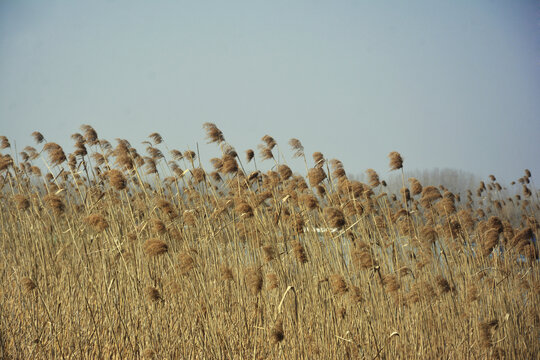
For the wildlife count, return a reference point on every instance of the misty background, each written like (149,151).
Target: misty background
(452,84)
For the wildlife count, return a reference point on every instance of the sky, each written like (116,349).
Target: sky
(448,84)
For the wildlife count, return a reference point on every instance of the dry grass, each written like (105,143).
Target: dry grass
(113,254)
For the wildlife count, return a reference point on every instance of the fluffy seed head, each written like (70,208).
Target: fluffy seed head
(187,263)
(337,284)
(254,279)
(318,158)
(97,221)
(56,154)
(297,147)
(28,284)
(21,202)
(226,273)
(38,137)
(155,246)
(156,138)
(55,203)
(213,134)
(416,187)
(373,178)
(270,142)
(271,281)
(250,154)
(396,161)
(334,217)
(153,294)
(316,176)
(269,253)
(299,252)
(117,179)
(277,335)
(198,175)
(284,172)
(90,135)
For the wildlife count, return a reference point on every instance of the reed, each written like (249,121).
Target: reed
(108,253)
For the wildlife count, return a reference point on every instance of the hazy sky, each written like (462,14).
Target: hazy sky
(445,83)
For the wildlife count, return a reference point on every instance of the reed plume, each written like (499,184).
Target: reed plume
(254,279)
(97,221)
(38,137)
(155,247)
(334,217)
(316,176)
(28,284)
(299,252)
(277,335)
(338,285)
(153,294)
(297,147)
(213,134)
(396,161)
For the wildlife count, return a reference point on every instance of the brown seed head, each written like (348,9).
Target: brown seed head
(265,153)
(416,187)
(272,281)
(230,166)
(226,273)
(309,201)
(38,137)
(486,332)
(28,284)
(153,294)
(243,209)
(198,175)
(391,282)
(472,293)
(373,178)
(299,252)
(97,221)
(250,154)
(187,263)
(55,203)
(117,179)
(334,217)
(361,256)
(429,195)
(396,161)
(156,138)
(254,279)
(337,284)
(297,147)
(155,246)
(269,253)
(443,285)
(21,202)
(270,142)
(190,155)
(213,134)
(4,142)
(148,353)
(158,226)
(56,154)
(318,158)
(277,335)
(90,135)
(316,176)
(284,172)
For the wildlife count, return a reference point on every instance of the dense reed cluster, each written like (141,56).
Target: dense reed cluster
(108,252)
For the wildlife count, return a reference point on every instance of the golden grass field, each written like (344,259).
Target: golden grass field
(107,253)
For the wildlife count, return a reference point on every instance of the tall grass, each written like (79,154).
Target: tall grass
(112,254)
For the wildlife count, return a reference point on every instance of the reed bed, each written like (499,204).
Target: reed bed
(111,253)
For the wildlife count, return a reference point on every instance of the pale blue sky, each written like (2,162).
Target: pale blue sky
(445,83)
